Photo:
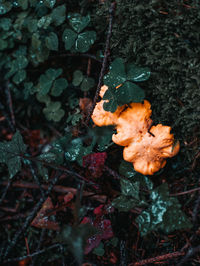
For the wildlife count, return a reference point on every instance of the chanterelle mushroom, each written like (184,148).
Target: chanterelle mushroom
(147,148)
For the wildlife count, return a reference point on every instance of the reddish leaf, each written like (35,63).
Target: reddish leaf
(105,232)
(95,162)
(42,220)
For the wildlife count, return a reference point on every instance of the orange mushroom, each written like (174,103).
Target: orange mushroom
(145,146)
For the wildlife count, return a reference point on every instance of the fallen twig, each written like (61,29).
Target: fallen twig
(104,63)
(159,258)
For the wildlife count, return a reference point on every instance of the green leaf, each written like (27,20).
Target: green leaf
(53,73)
(136,73)
(78,22)
(84,41)
(5,7)
(59,15)
(5,23)
(164,213)
(69,38)
(32,25)
(129,92)
(49,3)
(44,22)
(126,169)
(10,153)
(110,95)
(123,203)
(87,83)
(130,188)
(74,149)
(59,86)
(53,111)
(44,84)
(3,45)
(116,75)
(77,78)
(19,76)
(23,4)
(52,42)
(76,238)
(43,98)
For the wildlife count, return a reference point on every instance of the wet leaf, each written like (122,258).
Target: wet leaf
(50,3)
(126,169)
(116,74)
(69,38)
(78,22)
(84,41)
(164,213)
(129,92)
(136,73)
(123,203)
(10,153)
(130,188)
(74,149)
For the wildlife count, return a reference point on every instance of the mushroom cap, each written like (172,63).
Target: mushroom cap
(103,118)
(148,154)
(132,123)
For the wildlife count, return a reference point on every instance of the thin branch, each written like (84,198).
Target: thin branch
(104,63)
(185,192)
(30,218)
(5,191)
(39,245)
(33,254)
(158,258)
(58,189)
(35,177)
(10,104)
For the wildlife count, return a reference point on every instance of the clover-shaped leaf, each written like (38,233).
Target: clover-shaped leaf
(120,80)
(137,74)
(84,41)
(87,83)
(58,15)
(69,37)
(129,92)
(75,39)
(52,42)
(19,76)
(58,86)
(78,22)
(53,111)
(117,74)
(77,78)
(112,104)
